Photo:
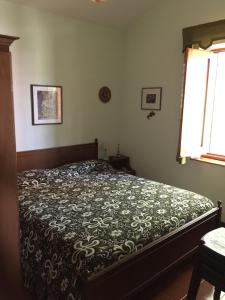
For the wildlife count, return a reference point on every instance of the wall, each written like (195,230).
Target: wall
(154,58)
(81,57)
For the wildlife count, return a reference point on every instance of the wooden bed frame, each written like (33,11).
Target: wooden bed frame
(53,157)
(126,278)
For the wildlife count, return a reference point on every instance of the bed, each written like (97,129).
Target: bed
(90,232)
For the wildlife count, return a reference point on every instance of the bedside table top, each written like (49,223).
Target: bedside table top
(121,162)
(118,158)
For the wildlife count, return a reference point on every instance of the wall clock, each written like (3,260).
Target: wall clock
(104,94)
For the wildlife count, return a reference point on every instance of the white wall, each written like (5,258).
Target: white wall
(154,58)
(81,57)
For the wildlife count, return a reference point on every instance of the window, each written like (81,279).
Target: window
(203,107)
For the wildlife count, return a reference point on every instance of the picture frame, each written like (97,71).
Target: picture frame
(46,104)
(151,98)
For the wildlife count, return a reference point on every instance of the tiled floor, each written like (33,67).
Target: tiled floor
(174,286)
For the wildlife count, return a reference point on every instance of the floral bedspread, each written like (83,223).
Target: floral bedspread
(78,219)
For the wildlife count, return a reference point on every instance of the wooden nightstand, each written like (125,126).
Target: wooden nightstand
(122,163)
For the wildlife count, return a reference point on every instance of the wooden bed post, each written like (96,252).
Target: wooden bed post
(219,205)
(10,277)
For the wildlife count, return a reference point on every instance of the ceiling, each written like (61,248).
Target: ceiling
(116,13)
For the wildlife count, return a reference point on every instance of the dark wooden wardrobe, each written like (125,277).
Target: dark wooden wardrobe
(10,275)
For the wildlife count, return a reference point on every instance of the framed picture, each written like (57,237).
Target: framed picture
(151,98)
(46,104)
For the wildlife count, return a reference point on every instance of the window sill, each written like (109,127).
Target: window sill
(211,161)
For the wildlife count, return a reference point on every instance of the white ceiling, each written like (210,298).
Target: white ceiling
(116,13)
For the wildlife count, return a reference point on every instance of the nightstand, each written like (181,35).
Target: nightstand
(122,163)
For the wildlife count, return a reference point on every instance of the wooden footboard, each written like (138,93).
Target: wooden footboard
(129,276)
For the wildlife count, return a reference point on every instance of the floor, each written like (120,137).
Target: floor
(174,286)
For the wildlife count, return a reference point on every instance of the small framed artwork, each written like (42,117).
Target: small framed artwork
(151,98)
(46,103)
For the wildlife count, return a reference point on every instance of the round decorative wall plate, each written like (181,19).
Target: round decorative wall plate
(104,94)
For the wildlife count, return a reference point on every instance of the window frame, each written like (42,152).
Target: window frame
(206,157)
(202,36)
(212,157)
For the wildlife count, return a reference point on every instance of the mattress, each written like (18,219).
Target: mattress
(81,218)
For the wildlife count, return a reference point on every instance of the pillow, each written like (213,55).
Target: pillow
(35,177)
(88,166)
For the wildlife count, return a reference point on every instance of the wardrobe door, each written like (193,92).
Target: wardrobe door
(10,279)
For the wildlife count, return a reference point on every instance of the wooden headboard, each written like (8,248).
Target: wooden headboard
(53,157)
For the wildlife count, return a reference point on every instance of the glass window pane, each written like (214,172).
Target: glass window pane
(217,145)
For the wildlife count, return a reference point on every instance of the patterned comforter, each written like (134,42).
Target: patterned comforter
(78,219)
